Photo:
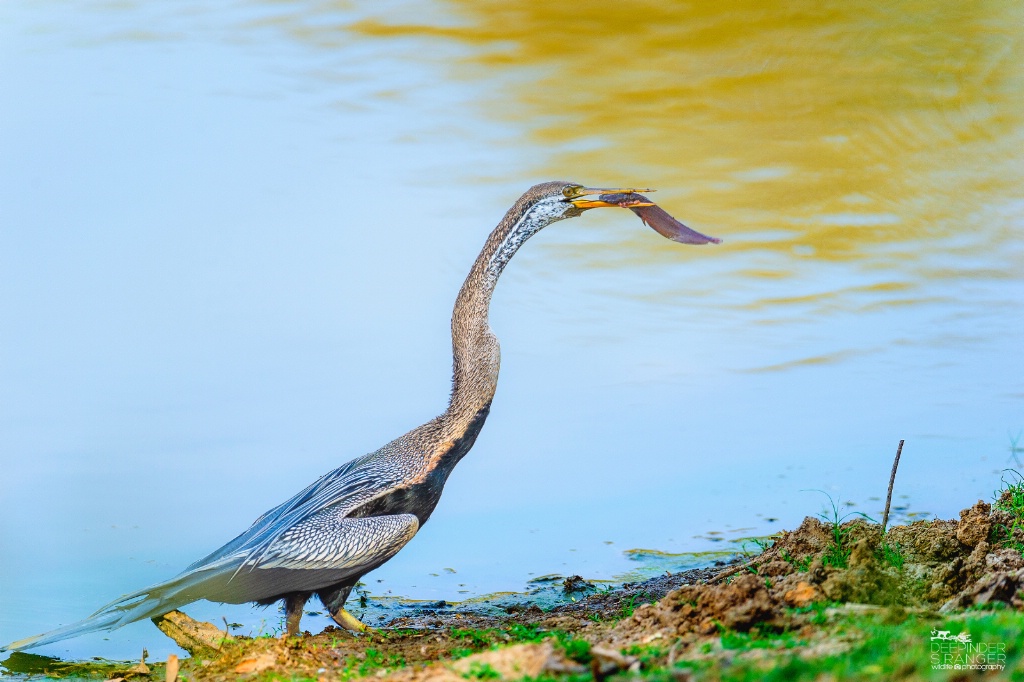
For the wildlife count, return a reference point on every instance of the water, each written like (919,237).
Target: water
(231,239)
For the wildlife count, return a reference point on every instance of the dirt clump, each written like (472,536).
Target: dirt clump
(975,524)
(737,605)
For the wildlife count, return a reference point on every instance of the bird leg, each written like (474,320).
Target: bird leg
(294,603)
(334,599)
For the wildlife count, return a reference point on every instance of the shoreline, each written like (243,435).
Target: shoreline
(928,600)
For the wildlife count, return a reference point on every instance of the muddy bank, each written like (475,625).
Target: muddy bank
(818,599)
(927,566)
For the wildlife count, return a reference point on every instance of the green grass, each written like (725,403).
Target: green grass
(647,654)
(761,543)
(477,638)
(472,640)
(575,649)
(374,661)
(758,639)
(801,565)
(490,637)
(879,646)
(482,671)
(1010,498)
(629,605)
(892,554)
(838,552)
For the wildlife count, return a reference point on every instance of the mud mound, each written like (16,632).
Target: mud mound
(925,565)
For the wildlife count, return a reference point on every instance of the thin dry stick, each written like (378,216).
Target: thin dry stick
(892,479)
(172,668)
(672,652)
(729,572)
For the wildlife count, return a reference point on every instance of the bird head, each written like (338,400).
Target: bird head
(585,198)
(560,200)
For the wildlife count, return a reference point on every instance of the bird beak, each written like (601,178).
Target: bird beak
(625,198)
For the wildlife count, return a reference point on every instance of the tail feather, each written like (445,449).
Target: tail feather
(148,603)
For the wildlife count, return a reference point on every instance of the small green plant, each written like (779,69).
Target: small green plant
(575,649)
(801,565)
(629,605)
(646,653)
(476,638)
(371,661)
(818,611)
(482,671)
(761,543)
(838,553)
(274,632)
(526,633)
(756,639)
(892,554)
(1010,499)
(376,660)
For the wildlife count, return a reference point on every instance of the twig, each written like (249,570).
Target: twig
(672,652)
(728,573)
(892,479)
(770,553)
(172,668)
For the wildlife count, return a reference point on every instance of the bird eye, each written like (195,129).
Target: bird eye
(571,191)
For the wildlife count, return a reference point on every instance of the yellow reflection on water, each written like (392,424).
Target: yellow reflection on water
(836,128)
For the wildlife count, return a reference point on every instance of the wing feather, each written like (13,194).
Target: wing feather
(342,490)
(329,540)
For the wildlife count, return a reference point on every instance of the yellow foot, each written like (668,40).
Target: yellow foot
(350,622)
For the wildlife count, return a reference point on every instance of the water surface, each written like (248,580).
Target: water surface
(231,239)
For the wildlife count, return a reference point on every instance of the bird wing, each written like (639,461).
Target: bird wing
(329,540)
(341,490)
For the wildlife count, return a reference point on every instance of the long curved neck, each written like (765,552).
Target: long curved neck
(475,350)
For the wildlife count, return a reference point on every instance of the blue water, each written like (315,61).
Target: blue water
(229,245)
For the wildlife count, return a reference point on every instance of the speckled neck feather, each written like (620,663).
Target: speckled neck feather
(475,349)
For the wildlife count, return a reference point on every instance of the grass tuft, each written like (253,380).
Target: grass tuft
(892,554)
(838,553)
(1009,498)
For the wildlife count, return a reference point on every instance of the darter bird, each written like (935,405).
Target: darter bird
(355,518)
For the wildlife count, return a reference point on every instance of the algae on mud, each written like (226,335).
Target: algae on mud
(903,605)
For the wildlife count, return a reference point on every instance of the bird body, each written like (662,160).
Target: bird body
(352,520)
